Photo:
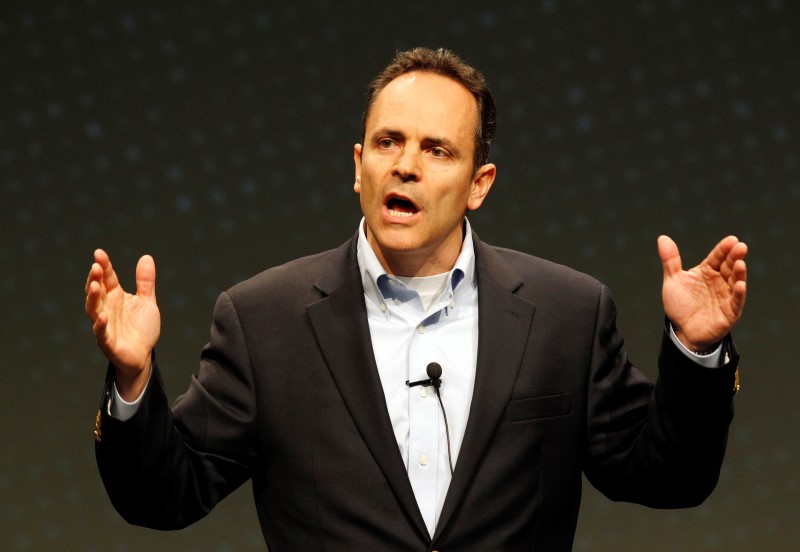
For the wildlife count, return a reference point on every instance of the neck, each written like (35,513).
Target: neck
(418,262)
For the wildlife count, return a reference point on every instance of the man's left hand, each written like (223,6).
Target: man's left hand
(704,303)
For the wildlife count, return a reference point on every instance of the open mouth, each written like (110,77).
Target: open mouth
(401,207)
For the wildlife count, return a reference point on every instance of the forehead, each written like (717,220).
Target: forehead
(428,102)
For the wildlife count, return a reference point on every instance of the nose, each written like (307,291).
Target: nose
(406,167)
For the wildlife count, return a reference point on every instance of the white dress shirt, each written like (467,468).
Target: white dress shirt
(406,337)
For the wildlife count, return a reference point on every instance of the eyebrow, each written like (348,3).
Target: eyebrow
(391,133)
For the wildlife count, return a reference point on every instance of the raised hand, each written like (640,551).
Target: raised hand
(125,326)
(704,303)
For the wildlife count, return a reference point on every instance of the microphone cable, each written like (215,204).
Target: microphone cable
(434,370)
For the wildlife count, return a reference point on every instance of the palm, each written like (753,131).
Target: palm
(704,303)
(126,326)
(134,324)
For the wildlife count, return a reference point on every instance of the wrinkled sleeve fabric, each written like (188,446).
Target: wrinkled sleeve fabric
(166,468)
(662,447)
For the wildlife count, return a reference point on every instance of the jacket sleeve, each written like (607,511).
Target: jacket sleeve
(166,468)
(663,446)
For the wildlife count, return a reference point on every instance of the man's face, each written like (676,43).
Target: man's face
(414,172)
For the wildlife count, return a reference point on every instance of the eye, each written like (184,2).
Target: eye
(386,143)
(438,152)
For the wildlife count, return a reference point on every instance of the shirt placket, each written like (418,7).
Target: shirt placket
(425,447)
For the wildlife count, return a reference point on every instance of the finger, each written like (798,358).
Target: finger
(109,276)
(735,268)
(94,305)
(739,284)
(740,271)
(670,256)
(95,273)
(101,257)
(720,255)
(735,255)
(738,296)
(146,277)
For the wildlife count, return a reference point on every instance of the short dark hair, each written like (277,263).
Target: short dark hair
(446,63)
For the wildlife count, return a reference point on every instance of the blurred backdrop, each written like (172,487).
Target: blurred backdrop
(218,137)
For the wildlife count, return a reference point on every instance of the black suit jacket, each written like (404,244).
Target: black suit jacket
(288,395)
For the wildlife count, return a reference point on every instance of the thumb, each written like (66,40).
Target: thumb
(670,257)
(146,277)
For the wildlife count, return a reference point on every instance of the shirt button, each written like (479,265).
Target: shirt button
(423,393)
(452,304)
(421,329)
(383,307)
(392,283)
(423,460)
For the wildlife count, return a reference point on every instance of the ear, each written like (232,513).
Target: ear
(357,162)
(481,184)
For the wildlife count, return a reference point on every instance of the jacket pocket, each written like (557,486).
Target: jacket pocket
(538,408)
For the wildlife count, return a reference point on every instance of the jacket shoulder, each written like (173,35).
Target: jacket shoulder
(294,281)
(536,272)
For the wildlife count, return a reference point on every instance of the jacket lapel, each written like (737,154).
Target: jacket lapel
(339,321)
(504,323)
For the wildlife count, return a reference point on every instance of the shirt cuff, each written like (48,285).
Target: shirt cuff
(122,410)
(706,360)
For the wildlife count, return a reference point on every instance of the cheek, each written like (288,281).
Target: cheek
(368,194)
(454,198)
(368,197)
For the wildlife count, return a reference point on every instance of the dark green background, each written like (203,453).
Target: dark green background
(218,137)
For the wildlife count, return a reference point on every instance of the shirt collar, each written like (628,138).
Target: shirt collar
(462,275)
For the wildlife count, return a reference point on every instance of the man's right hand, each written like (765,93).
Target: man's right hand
(125,326)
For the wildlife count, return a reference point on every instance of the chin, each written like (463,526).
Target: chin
(400,245)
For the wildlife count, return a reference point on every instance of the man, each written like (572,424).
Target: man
(307,385)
